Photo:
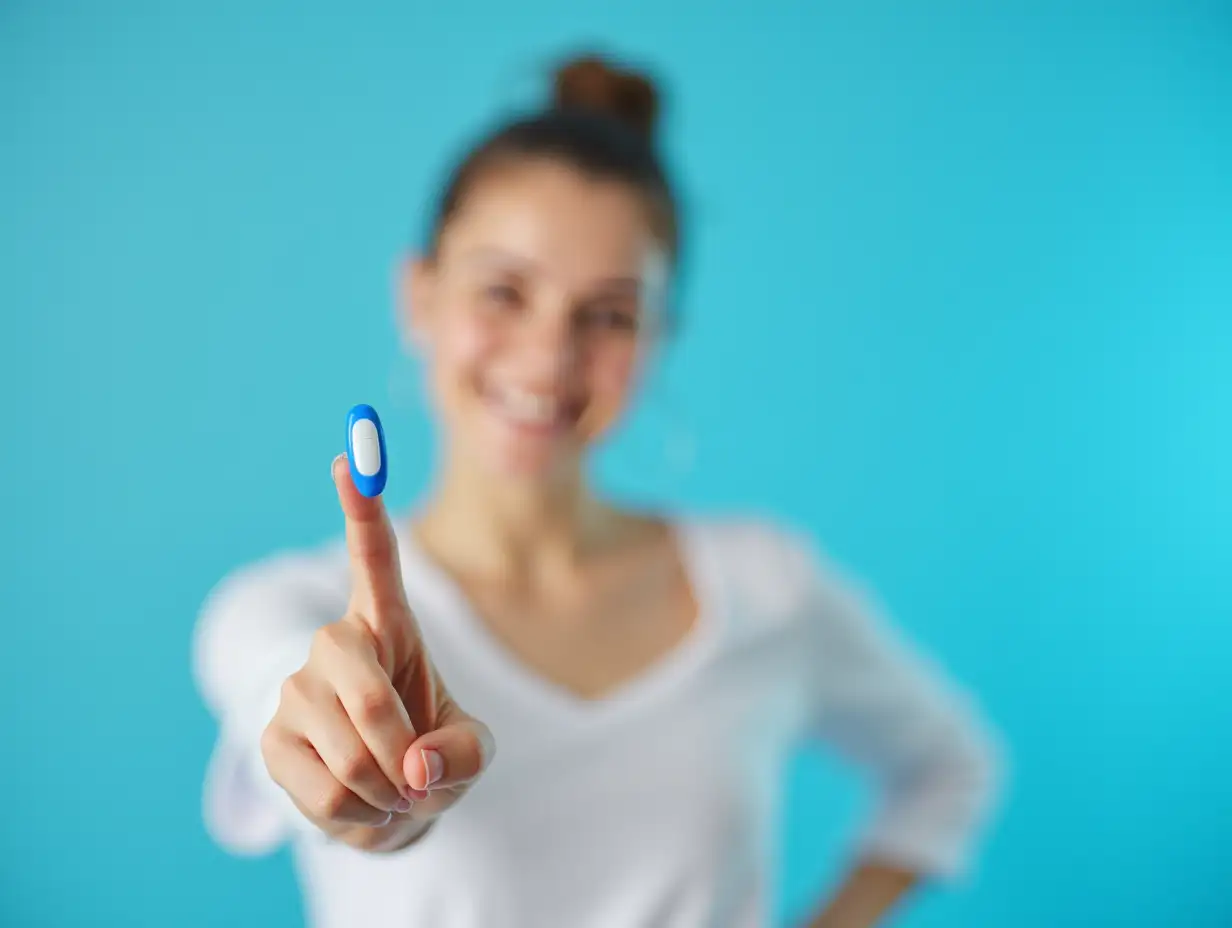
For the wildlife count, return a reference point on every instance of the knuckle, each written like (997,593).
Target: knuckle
(271,742)
(330,639)
(357,767)
(375,546)
(293,690)
(375,705)
(331,802)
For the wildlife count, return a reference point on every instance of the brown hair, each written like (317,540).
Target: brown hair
(601,120)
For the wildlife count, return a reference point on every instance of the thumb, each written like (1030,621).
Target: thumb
(452,755)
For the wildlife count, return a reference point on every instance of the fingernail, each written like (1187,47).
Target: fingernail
(403,806)
(333,462)
(388,818)
(434,766)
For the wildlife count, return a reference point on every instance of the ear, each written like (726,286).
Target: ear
(416,285)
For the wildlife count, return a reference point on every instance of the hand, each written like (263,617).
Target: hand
(867,896)
(366,740)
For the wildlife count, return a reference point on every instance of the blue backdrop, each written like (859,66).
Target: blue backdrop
(958,302)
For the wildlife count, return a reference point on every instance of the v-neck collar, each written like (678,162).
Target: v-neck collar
(424,575)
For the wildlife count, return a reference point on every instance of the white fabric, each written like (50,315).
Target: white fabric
(654,807)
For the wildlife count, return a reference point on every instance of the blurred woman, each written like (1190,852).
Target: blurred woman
(521,704)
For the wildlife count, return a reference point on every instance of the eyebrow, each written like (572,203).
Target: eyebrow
(487,255)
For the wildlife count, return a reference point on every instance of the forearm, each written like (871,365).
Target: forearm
(866,896)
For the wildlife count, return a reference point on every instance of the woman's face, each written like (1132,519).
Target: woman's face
(535,317)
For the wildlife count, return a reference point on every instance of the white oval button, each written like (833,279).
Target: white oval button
(367,447)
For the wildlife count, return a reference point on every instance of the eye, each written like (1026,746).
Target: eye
(609,317)
(502,295)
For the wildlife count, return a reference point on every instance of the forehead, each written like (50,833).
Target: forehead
(556,221)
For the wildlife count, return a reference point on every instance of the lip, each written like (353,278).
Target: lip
(566,416)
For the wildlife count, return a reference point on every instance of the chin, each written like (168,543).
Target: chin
(532,441)
(537,459)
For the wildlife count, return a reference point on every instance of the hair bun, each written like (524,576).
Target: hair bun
(589,82)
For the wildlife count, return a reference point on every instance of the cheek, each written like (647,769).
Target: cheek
(461,346)
(614,377)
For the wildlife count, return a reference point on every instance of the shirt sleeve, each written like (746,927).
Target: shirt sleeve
(888,707)
(254,630)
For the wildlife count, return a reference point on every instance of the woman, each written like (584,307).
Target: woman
(645,677)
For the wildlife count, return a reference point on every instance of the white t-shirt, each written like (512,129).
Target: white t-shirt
(653,807)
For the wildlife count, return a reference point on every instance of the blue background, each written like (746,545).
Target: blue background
(958,302)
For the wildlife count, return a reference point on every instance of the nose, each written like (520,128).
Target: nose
(547,347)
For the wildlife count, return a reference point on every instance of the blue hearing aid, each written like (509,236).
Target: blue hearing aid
(365,444)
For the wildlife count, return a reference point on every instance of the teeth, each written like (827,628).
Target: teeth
(529,407)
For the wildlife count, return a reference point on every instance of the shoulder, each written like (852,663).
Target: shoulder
(770,570)
(755,543)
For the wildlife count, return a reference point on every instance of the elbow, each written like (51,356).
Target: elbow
(232,639)
(982,762)
(214,644)
(964,775)
(206,648)
(937,810)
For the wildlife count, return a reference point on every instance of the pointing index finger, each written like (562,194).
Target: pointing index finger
(359,477)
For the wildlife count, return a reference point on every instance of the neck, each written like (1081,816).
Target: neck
(491,526)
